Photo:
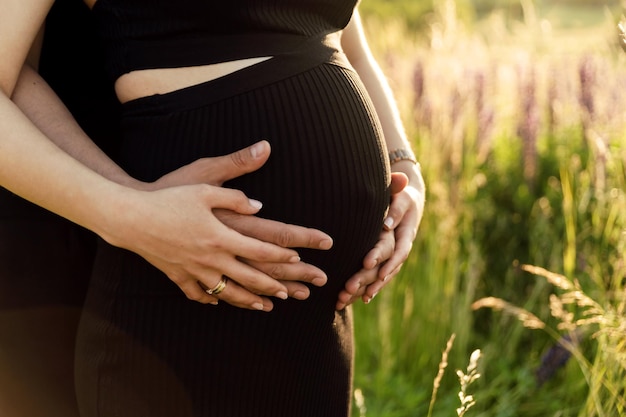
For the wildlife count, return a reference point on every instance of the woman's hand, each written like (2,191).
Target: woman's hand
(407,204)
(176,231)
(39,103)
(384,261)
(291,275)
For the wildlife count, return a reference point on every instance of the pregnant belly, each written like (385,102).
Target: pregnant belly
(327,168)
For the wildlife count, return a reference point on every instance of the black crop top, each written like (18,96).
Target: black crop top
(146,34)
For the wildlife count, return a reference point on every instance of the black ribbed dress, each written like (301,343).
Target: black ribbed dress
(144,349)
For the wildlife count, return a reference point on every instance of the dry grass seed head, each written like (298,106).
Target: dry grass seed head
(557,280)
(527,318)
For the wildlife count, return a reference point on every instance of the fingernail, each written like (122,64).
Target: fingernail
(388,222)
(294,259)
(319,281)
(386,278)
(300,295)
(282,295)
(258,306)
(255,203)
(214,302)
(326,244)
(367,299)
(256,150)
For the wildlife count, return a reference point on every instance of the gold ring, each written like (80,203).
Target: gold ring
(218,288)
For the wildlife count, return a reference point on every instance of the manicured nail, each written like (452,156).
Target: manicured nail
(255,203)
(256,150)
(388,222)
(282,295)
(258,306)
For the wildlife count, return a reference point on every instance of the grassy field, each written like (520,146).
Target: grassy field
(519,121)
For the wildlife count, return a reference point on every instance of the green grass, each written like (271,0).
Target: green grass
(520,171)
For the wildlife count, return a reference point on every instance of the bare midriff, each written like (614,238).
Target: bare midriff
(143,83)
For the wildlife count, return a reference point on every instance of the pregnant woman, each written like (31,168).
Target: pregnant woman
(199,80)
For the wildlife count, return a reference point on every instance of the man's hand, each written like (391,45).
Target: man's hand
(176,226)
(215,171)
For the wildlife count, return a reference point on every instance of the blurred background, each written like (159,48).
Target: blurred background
(517,112)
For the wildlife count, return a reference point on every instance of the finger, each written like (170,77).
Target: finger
(258,251)
(216,170)
(238,296)
(281,234)
(382,251)
(355,287)
(252,279)
(235,295)
(399,181)
(194,291)
(362,279)
(226,198)
(400,204)
(241,162)
(345,298)
(212,299)
(340,305)
(372,291)
(354,283)
(236,243)
(297,290)
(291,272)
(404,244)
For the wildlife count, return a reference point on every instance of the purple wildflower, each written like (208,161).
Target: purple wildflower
(556,357)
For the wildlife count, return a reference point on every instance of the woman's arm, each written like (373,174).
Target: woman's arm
(154,224)
(405,211)
(37,100)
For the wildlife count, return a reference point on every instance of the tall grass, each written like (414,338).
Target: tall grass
(522,141)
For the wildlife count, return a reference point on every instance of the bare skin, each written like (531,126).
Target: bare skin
(37,101)
(396,240)
(180,219)
(116,222)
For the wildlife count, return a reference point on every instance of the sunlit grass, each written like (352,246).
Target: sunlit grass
(520,129)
